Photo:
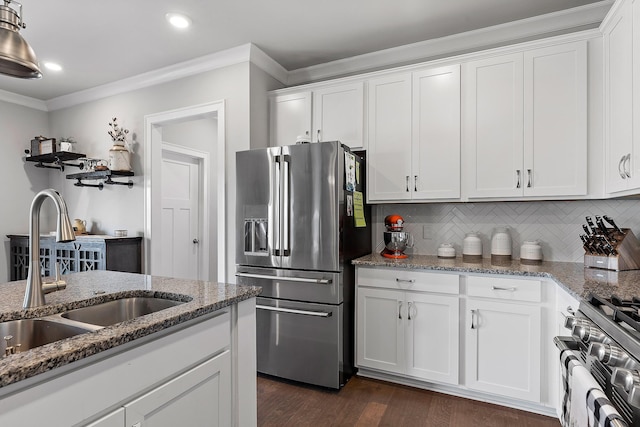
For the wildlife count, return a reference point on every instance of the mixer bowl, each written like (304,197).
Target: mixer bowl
(396,241)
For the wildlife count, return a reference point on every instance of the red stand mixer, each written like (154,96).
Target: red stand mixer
(395,240)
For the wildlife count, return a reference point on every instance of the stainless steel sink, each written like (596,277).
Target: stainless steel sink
(112,312)
(24,334)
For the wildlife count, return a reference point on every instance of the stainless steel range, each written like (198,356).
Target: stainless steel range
(605,338)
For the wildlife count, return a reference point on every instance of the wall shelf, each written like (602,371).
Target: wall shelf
(105,175)
(56,160)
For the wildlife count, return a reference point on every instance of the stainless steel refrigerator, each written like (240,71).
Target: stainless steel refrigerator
(301,220)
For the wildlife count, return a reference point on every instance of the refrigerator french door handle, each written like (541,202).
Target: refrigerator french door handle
(273,237)
(286,194)
(288,279)
(294,311)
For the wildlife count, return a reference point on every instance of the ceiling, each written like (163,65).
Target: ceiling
(99,42)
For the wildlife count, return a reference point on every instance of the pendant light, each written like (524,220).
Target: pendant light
(17,59)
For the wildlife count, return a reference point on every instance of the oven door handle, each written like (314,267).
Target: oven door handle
(288,279)
(294,311)
(566,343)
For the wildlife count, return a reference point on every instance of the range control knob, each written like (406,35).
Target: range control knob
(588,333)
(608,354)
(630,382)
(571,321)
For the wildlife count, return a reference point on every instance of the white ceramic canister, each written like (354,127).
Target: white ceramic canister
(446,250)
(472,247)
(531,250)
(501,242)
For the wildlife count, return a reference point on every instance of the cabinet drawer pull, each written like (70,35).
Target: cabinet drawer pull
(518,177)
(405,280)
(473,313)
(399,309)
(498,288)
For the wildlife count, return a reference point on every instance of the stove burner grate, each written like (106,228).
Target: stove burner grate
(620,311)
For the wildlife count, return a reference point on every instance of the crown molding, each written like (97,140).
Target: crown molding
(199,65)
(569,20)
(268,65)
(25,101)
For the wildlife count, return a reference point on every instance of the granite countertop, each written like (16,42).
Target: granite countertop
(94,287)
(573,277)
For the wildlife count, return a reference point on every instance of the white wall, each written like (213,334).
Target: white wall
(20,180)
(118,207)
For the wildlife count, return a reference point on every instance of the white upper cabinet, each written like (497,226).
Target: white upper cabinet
(414,136)
(338,114)
(435,148)
(555,124)
(621,35)
(290,117)
(389,148)
(525,124)
(493,123)
(328,113)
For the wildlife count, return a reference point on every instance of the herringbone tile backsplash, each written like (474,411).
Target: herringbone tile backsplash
(557,225)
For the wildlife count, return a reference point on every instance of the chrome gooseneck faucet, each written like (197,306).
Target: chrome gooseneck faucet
(34,294)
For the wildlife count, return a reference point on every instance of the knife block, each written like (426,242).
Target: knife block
(628,257)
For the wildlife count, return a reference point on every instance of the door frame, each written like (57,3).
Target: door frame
(203,161)
(152,164)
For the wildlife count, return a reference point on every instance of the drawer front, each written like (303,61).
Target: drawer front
(504,288)
(414,280)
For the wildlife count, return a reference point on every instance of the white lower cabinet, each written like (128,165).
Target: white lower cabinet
(480,336)
(503,348)
(202,392)
(182,377)
(395,327)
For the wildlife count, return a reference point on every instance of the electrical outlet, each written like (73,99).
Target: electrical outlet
(427,232)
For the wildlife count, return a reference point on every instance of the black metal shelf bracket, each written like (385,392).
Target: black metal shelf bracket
(99,186)
(111,182)
(58,164)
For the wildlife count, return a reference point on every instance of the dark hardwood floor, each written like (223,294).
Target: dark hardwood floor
(366,402)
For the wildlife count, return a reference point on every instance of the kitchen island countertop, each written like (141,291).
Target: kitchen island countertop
(93,287)
(573,277)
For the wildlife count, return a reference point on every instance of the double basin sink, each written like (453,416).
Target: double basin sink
(24,334)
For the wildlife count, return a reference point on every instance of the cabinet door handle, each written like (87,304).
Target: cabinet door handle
(518,177)
(498,288)
(571,310)
(473,324)
(627,165)
(528,178)
(409,311)
(620,171)
(318,136)
(415,183)
(407,183)
(399,309)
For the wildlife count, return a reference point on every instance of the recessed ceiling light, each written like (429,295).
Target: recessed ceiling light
(178,20)
(52,66)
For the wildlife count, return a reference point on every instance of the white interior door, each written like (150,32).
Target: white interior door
(180,248)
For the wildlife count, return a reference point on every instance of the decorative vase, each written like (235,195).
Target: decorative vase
(119,158)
